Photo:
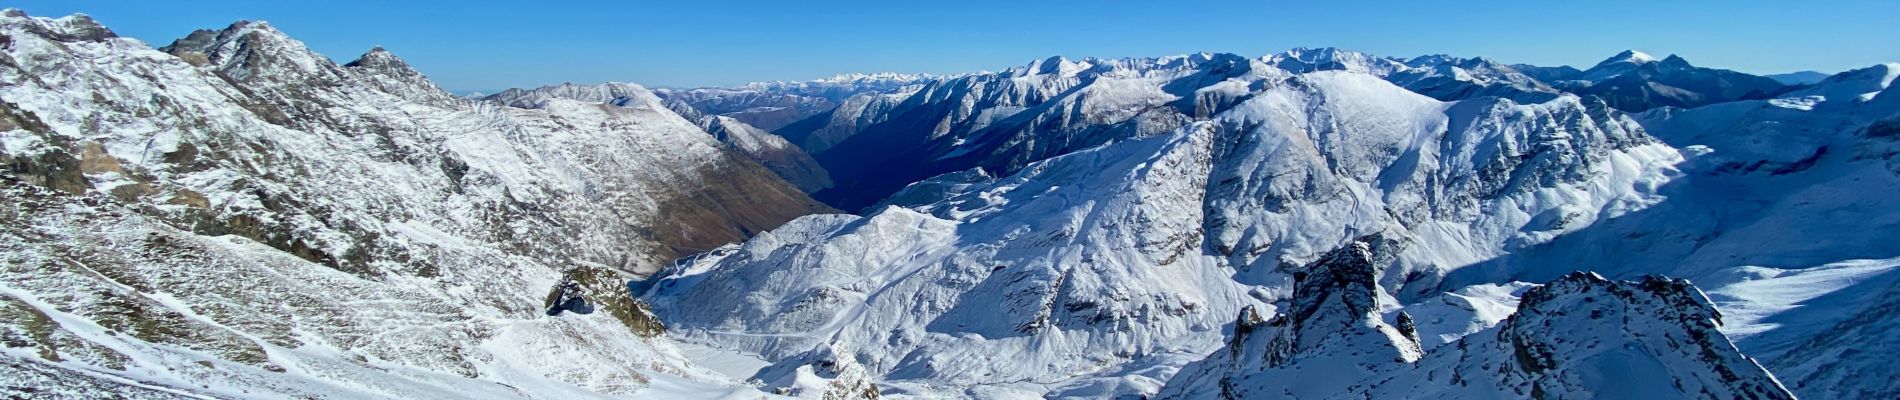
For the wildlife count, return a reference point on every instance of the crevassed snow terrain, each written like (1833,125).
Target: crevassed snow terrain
(235,216)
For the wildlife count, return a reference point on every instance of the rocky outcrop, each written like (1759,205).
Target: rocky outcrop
(1582,337)
(1329,336)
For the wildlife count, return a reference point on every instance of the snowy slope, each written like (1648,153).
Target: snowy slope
(1630,81)
(818,133)
(1004,121)
(1451,78)
(1051,278)
(775,153)
(1099,272)
(773,105)
(778,155)
(1581,337)
(1772,191)
(1586,337)
(235,216)
(1330,336)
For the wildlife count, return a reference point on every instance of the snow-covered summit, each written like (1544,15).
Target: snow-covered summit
(1629,57)
(1330,335)
(616,93)
(859,80)
(1301,59)
(773,105)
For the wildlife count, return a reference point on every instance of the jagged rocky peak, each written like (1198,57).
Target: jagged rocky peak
(1580,332)
(1302,59)
(394,76)
(1338,294)
(71,28)
(827,372)
(253,52)
(1330,335)
(1054,65)
(1583,336)
(381,60)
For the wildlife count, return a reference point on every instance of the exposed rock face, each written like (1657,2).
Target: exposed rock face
(1814,163)
(1332,155)
(1330,336)
(235,206)
(1583,336)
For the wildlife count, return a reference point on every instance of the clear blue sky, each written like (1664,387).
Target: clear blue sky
(495,44)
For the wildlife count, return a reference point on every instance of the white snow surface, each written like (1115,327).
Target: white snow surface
(247,219)
(252,220)
(1099,272)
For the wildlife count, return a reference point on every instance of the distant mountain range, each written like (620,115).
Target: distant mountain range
(235,216)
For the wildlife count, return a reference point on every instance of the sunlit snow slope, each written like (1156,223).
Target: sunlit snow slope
(235,216)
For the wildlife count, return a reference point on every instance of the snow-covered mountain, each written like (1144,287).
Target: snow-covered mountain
(772,105)
(235,216)
(1330,336)
(1780,203)
(778,155)
(1451,78)
(1631,80)
(1100,272)
(775,153)
(1579,337)
(1302,59)
(1634,81)
(1004,121)
(1799,77)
